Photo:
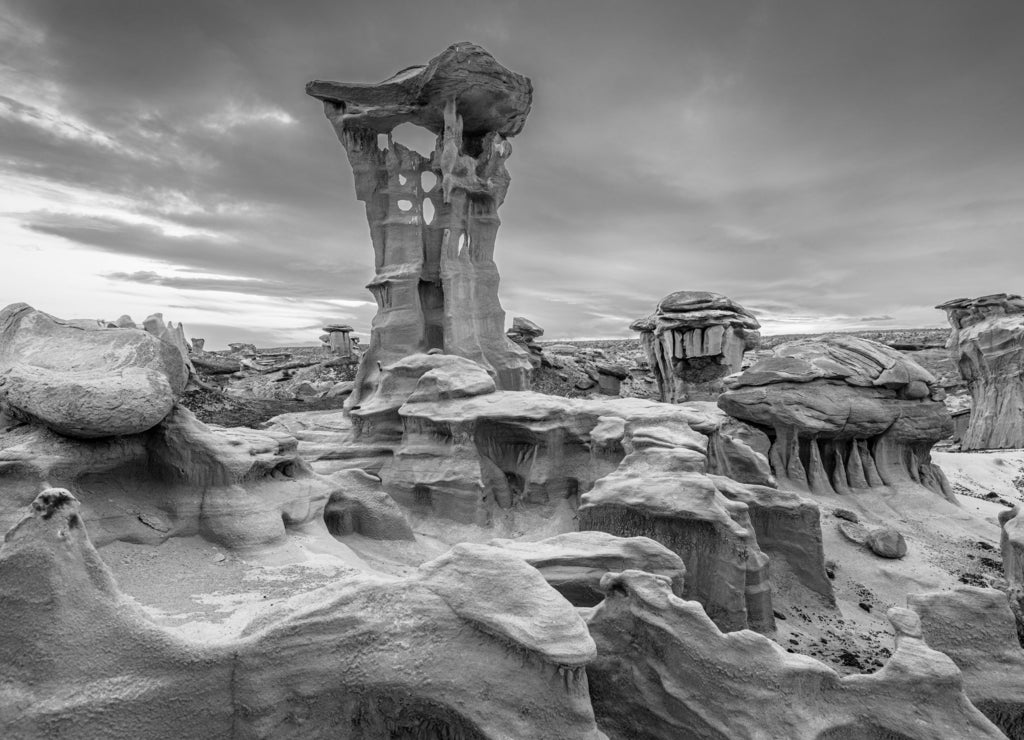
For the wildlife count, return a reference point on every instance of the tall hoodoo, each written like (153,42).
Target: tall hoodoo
(436,283)
(987,344)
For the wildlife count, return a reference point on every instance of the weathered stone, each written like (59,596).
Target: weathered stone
(436,283)
(987,344)
(86,381)
(854,532)
(975,628)
(665,671)
(840,418)
(693,340)
(367,657)
(886,542)
(850,516)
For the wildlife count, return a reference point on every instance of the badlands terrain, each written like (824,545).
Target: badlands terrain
(457,529)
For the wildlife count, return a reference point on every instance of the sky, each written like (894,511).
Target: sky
(829,164)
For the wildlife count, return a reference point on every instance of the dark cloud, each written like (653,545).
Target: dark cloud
(841,162)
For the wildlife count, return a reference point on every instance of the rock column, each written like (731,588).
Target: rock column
(436,282)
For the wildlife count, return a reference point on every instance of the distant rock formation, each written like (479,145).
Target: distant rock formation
(693,340)
(436,283)
(987,344)
(525,333)
(844,413)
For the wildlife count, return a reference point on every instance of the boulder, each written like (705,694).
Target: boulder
(86,381)
(886,542)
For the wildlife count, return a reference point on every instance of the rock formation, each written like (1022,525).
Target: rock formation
(436,283)
(83,380)
(451,446)
(525,333)
(693,340)
(664,671)
(844,414)
(974,627)
(987,344)
(1011,540)
(369,657)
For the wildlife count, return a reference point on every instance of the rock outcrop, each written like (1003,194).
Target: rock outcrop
(457,449)
(987,344)
(436,282)
(975,628)
(525,333)
(429,656)
(82,379)
(665,671)
(693,340)
(1011,540)
(844,414)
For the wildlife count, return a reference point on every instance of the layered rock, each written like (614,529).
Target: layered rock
(575,562)
(525,333)
(436,281)
(987,344)
(844,414)
(693,340)
(664,670)
(465,452)
(1011,540)
(82,379)
(975,627)
(365,658)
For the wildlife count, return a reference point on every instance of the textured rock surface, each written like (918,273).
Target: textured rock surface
(665,671)
(975,628)
(693,340)
(360,505)
(843,414)
(366,658)
(886,542)
(1011,540)
(987,344)
(436,282)
(476,456)
(82,379)
(237,487)
(575,562)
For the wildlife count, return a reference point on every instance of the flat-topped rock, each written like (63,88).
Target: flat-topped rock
(488,96)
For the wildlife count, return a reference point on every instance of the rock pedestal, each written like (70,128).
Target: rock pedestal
(987,344)
(339,340)
(693,340)
(436,283)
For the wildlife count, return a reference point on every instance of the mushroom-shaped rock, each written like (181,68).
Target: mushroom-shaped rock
(693,340)
(987,344)
(843,413)
(83,380)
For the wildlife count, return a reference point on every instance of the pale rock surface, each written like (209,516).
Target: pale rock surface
(665,671)
(843,414)
(575,562)
(693,340)
(360,505)
(1011,540)
(436,282)
(886,542)
(86,381)
(975,628)
(987,344)
(365,658)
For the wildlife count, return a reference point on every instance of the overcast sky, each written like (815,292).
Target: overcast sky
(828,164)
